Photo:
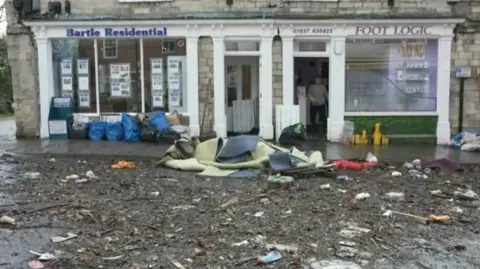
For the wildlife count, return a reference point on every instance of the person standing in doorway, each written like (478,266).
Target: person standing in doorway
(318,96)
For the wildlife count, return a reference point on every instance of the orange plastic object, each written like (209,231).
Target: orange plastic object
(124,165)
(441,219)
(355,166)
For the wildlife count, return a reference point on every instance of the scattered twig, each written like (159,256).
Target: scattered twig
(138,198)
(177,264)
(17,203)
(106,232)
(375,243)
(152,227)
(44,226)
(47,207)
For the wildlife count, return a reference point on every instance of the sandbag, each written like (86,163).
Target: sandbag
(114,131)
(96,130)
(293,134)
(148,132)
(167,136)
(159,121)
(78,130)
(173,118)
(131,128)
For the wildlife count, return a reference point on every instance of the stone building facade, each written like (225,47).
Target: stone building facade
(465,50)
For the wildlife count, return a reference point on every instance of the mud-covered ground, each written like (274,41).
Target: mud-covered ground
(150,217)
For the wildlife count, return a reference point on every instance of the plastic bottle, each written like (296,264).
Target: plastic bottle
(271,257)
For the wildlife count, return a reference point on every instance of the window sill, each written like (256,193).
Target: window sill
(144,1)
(392,113)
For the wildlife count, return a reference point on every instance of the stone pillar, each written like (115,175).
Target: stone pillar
(336,109)
(45,79)
(205,81)
(266,88)
(443,90)
(21,57)
(288,72)
(219,86)
(192,84)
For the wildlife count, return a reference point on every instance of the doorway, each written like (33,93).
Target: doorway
(242,94)
(306,69)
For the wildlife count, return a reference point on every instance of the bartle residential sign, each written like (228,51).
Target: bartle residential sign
(117,32)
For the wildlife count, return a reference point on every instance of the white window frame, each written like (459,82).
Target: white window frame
(104,48)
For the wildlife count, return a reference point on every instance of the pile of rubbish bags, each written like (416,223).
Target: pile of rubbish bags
(467,141)
(238,157)
(158,128)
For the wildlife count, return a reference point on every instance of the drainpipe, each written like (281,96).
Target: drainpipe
(460,105)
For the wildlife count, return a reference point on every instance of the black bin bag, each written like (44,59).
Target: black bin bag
(148,132)
(293,134)
(167,136)
(77,130)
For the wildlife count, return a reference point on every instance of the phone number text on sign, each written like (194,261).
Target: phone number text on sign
(313,31)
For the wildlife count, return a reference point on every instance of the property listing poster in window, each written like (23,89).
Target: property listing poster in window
(174,82)
(84,99)
(174,97)
(67,83)
(173,66)
(83,83)
(120,80)
(66,67)
(67,94)
(157,65)
(157,98)
(82,66)
(157,82)
(115,89)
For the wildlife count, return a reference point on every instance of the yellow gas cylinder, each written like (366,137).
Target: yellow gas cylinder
(377,135)
(385,140)
(364,138)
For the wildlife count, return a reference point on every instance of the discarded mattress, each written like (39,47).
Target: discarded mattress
(240,156)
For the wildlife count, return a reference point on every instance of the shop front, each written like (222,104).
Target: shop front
(110,67)
(393,72)
(396,73)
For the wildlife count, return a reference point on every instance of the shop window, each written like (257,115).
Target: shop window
(317,46)
(119,77)
(74,72)
(169,46)
(165,75)
(242,45)
(110,48)
(391,75)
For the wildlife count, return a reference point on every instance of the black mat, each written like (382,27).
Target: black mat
(238,148)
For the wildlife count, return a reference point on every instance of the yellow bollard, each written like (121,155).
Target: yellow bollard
(377,135)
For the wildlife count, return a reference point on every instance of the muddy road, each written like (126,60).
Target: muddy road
(150,217)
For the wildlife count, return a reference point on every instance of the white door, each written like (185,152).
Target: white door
(241,93)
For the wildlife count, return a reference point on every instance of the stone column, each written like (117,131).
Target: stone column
(192,84)
(219,86)
(45,79)
(288,72)
(336,109)
(266,88)
(21,57)
(443,90)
